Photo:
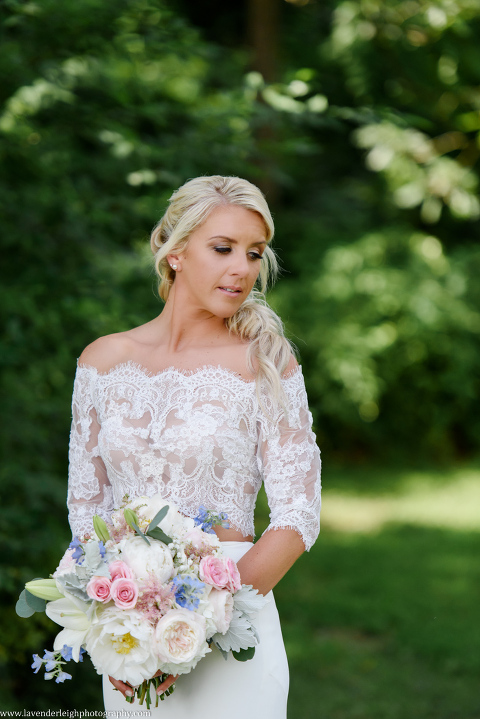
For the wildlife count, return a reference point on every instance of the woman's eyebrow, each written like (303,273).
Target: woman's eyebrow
(230,239)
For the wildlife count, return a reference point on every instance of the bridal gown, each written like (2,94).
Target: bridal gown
(200,437)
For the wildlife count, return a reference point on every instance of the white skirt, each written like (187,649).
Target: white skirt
(219,688)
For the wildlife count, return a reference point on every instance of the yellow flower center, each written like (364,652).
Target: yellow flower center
(124,644)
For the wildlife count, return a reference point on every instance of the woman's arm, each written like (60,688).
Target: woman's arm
(89,489)
(290,461)
(270,558)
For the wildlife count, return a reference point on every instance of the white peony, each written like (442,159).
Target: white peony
(180,640)
(143,559)
(120,644)
(219,611)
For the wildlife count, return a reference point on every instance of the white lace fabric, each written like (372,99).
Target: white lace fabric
(198,438)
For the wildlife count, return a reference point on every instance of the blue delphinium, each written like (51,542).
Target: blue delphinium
(188,591)
(62,676)
(101,549)
(66,652)
(206,520)
(37,663)
(77,546)
(53,662)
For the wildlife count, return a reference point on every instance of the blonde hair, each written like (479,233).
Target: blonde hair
(269,352)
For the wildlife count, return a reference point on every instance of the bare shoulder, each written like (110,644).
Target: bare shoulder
(237,360)
(106,352)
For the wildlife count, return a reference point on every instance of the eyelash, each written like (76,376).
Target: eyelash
(223,250)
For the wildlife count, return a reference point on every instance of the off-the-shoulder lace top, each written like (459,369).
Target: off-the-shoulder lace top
(199,438)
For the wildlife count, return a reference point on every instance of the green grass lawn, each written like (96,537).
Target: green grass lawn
(381,618)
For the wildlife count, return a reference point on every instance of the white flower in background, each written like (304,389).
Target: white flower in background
(142,558)
(120,644)
(180,640)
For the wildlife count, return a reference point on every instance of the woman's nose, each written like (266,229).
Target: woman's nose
(239,265)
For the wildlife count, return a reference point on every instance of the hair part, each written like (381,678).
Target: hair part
(269,351)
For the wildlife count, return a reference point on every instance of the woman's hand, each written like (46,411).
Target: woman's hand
(171,679)
(127,690)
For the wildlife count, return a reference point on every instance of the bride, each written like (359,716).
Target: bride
(202,404)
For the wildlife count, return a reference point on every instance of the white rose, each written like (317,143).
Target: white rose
(120,644)
(202,540)
(180,640)
(143,559)
(219,611)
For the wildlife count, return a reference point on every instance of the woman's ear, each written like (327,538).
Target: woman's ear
(174,262)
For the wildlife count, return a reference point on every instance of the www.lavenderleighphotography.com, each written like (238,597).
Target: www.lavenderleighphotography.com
(234,235)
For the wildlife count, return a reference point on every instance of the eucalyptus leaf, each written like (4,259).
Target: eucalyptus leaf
(35,603)
(23,609)
(137,529)
(159,534)
(244,654)
(158,518)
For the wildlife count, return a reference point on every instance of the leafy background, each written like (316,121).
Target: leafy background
(360,120)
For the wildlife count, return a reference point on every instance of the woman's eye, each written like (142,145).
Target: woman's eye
(223,250)
(255,256)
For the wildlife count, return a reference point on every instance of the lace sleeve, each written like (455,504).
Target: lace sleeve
(89,490)
(289,460)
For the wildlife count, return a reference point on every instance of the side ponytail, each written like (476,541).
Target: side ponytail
(269,351)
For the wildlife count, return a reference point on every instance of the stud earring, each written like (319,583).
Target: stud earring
(174,267)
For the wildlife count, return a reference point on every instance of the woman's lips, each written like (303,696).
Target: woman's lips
(231,291)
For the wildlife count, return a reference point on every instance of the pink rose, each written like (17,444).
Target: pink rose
(99,588)
(214,572)
(234,582)
(124,593)
(120,570)
(220,572)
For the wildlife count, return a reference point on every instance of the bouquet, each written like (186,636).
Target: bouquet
(149,592)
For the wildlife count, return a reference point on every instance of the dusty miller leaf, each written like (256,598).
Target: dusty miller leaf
(240,634)
(249,601)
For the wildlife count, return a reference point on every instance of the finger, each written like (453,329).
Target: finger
(125,689)
(166,684)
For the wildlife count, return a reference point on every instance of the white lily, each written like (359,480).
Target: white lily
(44,588)
(72,638)
(68,614)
